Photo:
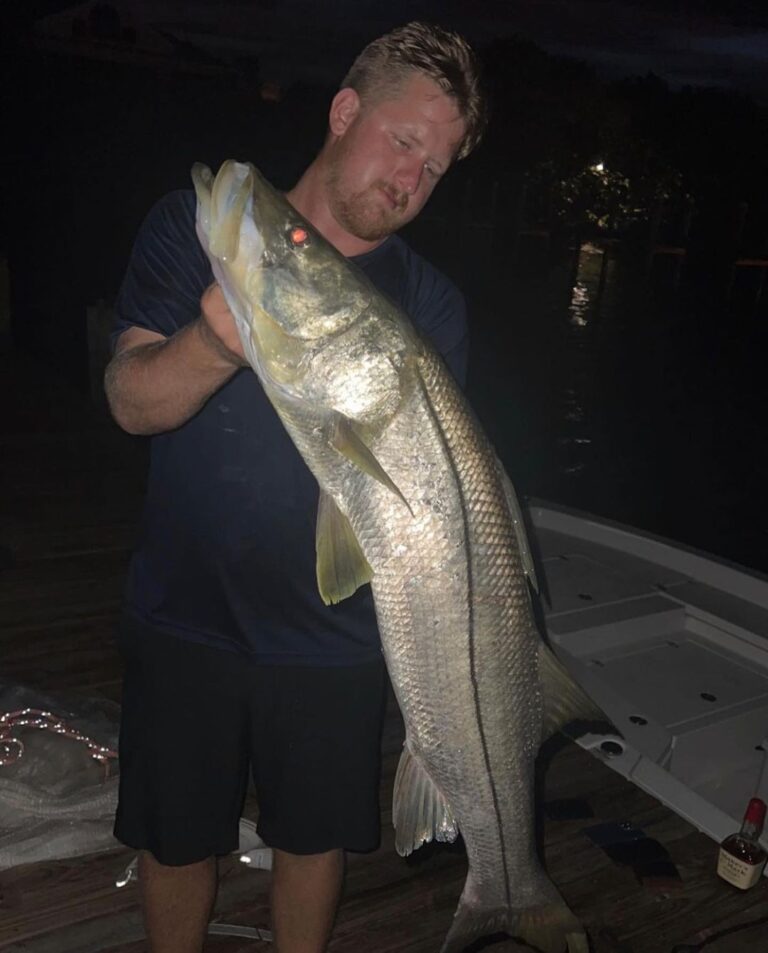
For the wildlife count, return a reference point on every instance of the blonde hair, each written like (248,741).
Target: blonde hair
(444,57)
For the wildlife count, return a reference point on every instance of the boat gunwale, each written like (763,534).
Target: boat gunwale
(720,573)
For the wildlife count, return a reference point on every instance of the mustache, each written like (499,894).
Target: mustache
(400,199)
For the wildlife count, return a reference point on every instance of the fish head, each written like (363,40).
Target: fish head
(292,293)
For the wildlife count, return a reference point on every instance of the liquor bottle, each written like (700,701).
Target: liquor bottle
(742,858)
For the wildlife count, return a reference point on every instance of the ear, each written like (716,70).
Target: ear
(344,109)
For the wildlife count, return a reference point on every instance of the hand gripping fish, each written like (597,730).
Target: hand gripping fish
(413,500)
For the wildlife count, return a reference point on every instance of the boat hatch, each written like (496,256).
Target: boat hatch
(674,646)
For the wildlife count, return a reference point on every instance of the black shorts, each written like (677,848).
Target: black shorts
(195,718)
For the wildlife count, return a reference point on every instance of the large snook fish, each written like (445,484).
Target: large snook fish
(414,500)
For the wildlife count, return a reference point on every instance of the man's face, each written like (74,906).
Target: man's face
(387,159)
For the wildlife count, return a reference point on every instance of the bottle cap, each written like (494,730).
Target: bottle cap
(755,812)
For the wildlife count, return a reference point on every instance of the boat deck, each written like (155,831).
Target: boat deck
(674,646)
(70,486)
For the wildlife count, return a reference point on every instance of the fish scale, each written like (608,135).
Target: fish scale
(426,429)
(501,633)
(414,500)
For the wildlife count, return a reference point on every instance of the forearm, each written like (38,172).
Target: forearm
(158,386)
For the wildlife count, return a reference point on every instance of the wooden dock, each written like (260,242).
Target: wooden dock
(71,485)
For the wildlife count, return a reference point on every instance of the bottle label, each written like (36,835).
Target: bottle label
(738,872)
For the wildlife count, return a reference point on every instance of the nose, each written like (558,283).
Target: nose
(408,175)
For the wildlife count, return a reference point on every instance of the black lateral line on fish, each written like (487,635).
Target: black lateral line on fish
(472,665)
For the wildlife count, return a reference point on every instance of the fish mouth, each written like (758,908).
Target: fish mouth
(282,280)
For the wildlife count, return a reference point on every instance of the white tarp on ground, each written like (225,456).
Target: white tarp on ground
(58,775)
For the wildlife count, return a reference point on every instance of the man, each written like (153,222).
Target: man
(232,660)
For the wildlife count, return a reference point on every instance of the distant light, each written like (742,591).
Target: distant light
(271,91)
(598,167)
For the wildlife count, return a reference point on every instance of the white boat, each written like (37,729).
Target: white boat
(673,644)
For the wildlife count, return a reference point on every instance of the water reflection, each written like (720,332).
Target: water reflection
(628,396)
(588,284)
(579,305)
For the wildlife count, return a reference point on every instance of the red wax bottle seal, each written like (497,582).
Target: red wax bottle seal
(742,857)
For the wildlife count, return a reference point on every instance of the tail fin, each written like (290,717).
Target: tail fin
(551,928)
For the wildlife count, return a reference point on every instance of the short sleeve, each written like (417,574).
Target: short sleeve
(167,272)
(449,332)
(439,310)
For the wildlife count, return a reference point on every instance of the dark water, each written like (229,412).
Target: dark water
(642,402)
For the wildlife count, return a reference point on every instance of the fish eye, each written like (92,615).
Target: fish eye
(298,236)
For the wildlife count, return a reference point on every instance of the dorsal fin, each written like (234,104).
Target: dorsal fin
(516,514)
(564,699)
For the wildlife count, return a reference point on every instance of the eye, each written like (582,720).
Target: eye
(298,236)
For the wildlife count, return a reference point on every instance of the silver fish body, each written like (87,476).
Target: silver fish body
(414,499)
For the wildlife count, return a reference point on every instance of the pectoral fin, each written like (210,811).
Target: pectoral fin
(341,566)
(343,437)
(419,810)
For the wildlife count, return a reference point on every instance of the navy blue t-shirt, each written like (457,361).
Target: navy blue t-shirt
(226,553)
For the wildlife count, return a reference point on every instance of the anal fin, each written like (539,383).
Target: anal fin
(420,812)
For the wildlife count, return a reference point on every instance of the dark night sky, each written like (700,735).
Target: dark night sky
(710,42)
(591,421)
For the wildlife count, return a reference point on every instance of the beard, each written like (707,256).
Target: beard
(366,214)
